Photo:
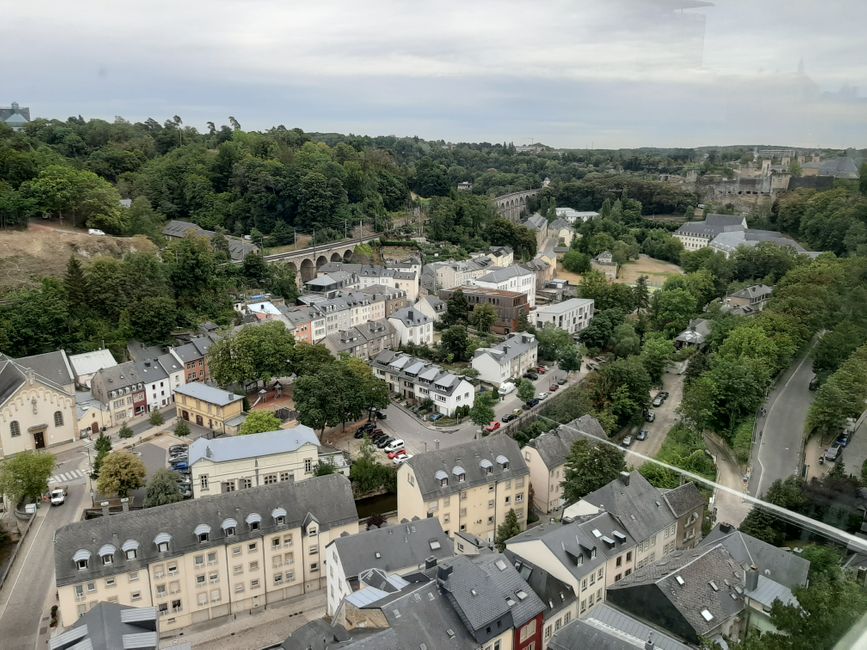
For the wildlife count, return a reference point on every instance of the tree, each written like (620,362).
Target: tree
(598,334)
(125,431)
(482,412)
(76,286)
(152,318)
(259,422)
(162,489)
(553,342)
(624,340)
(656,353)
(483,318)
(368,475)
(455,342)
(156,418)
(121,472)
(507,530)
(570,360)
(24,476)
(672,310)
(254,353)
(576,262)
(325,468)
(182,429)
(526,390)
(307,359)
(457,308)
(589,466)
(641,294)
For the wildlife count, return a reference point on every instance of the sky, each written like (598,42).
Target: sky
(579,73)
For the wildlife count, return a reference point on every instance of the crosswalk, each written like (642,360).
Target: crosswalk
(65,477)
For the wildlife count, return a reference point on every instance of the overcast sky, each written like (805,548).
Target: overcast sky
(579,73)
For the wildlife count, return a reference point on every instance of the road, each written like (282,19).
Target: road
(781,430)
(666,418)
(729,508)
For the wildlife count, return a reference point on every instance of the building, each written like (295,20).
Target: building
(53,366)
(546,456)
(342,311)
(844,167)
(403,276)
(511,278)
(158,389)
(728,243)
(695,235)
(695,335)
(194,357)
(363,342)
(501,256)
(607,628)
(204,559)
(417,379)
(239,247)
(122,389)
(93,416)
(174,370)
(138,351)
(432,307)
(262,311)
(604,263)
(397,549)
(240,462)
(15,116)
(538,225)
(35,412)
(749,300)
(439,276)
(572,315)
(395,299)
(86,364)
(412,326)
(109,625)
(542,266)
(572,216)
(507,360)
(305,321)
(511,307)
(562,232)
(208,406)
(469,487)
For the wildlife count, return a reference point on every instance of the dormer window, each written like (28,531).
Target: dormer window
(442,477)
(82,559)
(460,473)
(202,533)
(254,521)
(279,516)
(486,466)
(162,542)
(229,527)
(503,462)
(130,549)
(312,531)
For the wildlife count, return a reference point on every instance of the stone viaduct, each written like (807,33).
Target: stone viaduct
(305,261)
(512,205)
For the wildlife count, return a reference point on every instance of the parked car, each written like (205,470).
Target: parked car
(368,426)
(657,401)
(561,381)
(178,449)
(531,403)
(553,388)
(394,445)
(531,375)
(542,396)
(376,431)
(186,491)
(833,452)
(493,426)
(180,467)
(58,495)
(376,437)
(178,460)
(642,435)
(517,412)
(663,394)
(508,418)
(506,388)
(627,441)
(843,440)
(397,452)
(542,370)
(359,434)
(379,414)
(814,383)
(382,443)
(436,416)
(399,460)
(650,416)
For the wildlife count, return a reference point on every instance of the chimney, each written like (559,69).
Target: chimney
(443,573)
(104,506)
(624,478)
(649,645)
(752,578)
(230,396)
(430,562)
(125,504)
(725,527)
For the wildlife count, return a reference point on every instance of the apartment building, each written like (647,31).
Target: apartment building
(236,463)
(507,360)
(194,357)
(432,307)
(365,341)
(308,325)
(511,307)
(174,369)
(109,625)
(208,406)
(511,278)
(607,627)
(749,300)
(122,389)
(395,299)
(397,549)
(572,315)
(417,379)
(412,326)
(402,275)
(440,276)
(695,235)
(84,365)
(341,312)
(208,558)
(157,386)
(469,487)
(546,457)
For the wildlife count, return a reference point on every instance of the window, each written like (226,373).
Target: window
(279,520)
(446,518)
(508,500)
(278,578)
(136,595)
(251,547)
(161,591)
(519,498)
(203,537)
(212,558)
(254,566)
(213,578)
(200,579)
(629,556)
(236,551)
(202,599)
(548,632)
(173,569)
(215,596)
(314,550)
(131,554)
(109,582)
(311,531)
(163,547)
(164,609)
(15,429)
(58,419)
(229,531)
(245,483)
(583,606)
(567,618)
(203,481)
(133,576)
(254,584)
(528,630)
(270,479)
(285,476)
(491,503)
(619,560)
(237,569)
(275,543)
(107,559)
(81,564)
(308,465)
(91,587)
(176,605)
(200,560)
(490,520)
(228,486)
(314,567)
(239,587)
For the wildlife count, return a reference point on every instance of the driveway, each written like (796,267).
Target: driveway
(666,418)
(729,508)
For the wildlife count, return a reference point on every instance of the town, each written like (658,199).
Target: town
(269,388)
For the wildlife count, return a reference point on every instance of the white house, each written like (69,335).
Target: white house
(432,307)
(86,364)
(158,390)
(412,326)
(175,371)
(571,215)
(571,315)
(511,278)
(507,360)
(413,378)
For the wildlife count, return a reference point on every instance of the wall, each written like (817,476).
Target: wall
(34,406)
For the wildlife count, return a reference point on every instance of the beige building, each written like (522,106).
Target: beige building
(208,406)
(205,559)
(469,487)
(236,463)
(35,412)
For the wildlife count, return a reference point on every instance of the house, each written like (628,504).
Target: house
(604,263)
(507,360)
(138,351)
(562,231)
(511,307)
(86,364)
(35,412)
(157,387)
(400,275)
(695,235)
(417,379)
(174,370)
(572,315)
(235,463)
(608,628)
(468,487)
(208,406)
(749,300)
(342,311)
(395,299)
(92,415)
(511,278)
(538,225)
(194,357)
(432,307)
(262,311)
(468,544)
(397,549)
(573,216)
(305,321)
(238,248)
(542,266)
(546,456)
(122,389)
(412,326)
(556,595)
(501,256)
(438,276)
(687,505)
(695,335)
(53,366)
(728,243)
(465,186)
(329,283)
(205,559)
(363,342)
(109,625)
(15,116)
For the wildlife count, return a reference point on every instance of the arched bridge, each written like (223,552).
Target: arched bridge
(305,261)
(512,205)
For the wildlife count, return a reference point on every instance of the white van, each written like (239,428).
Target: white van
(506,388)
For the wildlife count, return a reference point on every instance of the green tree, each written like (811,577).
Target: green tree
(307,359)
(482,412)
(24,476)
(641,293)
(526,390)
(182,429)
(368,475)
(483,318)
(156,418)
(457,308)
(76,286)
(253,354)
(124,431)
(589,466)
(507,530)
(570,359)
(672,310)
(121,472)
(324,468)
(162,489)
(259,422)
(599,333)
(553,342)
(455,342)
(152,318)
(625,341)
(656,353)
(576,262)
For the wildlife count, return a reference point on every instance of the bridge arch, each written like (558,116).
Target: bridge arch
(336,257)
(347,256)
(308,269)
(321,261)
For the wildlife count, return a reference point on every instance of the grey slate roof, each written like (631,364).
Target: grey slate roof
(713,225)
(393,548)
(53,366)
(15,114)
(754,291)
(555,445)
(169,364)
(207,393)
(536,222)
(327,498)
(410,316)
(503,274)
(118,377)
(232,448)
(555,594)
(639,505)
(150,371)
(109,625)
(684,499)
(138,351)
(467,456)
(516,345)
(781,566)
(607,628)
(13,376)
(238,248)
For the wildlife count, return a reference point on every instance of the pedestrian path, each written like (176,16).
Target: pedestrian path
(65,477)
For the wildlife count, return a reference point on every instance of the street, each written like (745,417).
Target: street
(781,429)
(729,508)
(666,418)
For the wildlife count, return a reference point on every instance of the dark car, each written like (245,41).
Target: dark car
(377,436)
(509,417)
(181,458)
(384,442)
(531,375)
(554,388)
(178,449)
(663,394)
(531,403)
(814,383)
(368,426)
(359,434)
(642,435)
(561,381)
(379,414)
(180,467)
(843,440)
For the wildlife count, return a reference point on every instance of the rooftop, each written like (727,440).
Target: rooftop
(554,446)
(88,363)
(410,316)
(109,625)
(517,344)
(505,273)
(53,366)
(607,628)
(563,307)
(638,504)
(208,393)
(226,449)
(713,225)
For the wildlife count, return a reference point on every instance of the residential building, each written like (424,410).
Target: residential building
(432,307)
(344,310)
(109,625)
(86,364)
(397,549)
(556,595)
(542,267)
(468,487)
(507,360)
(35,412)
(403,276)
(365,341)
(562,231)
(607,628)
(501,256)
(204,559)
(92,415)
(688,506)
(53,366)
(695,335)
(417,379)
(235,463)
(157,386)
(511,306)
(572,315)
(395,299)
(122,389)
(412,326)
(305,322)
(239,247)
(208,406)
(15,116)
(439,276)
(573,216)
(749,300)
(546,456)
(695,235)
(728,243)
(174,369)
(511,278)
(538,225)
(604,263)
(194,357)
(468,544)
(329,283)
(138,351)
(262,311)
